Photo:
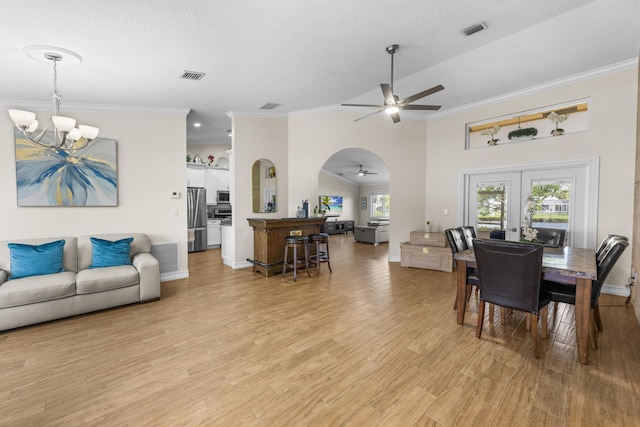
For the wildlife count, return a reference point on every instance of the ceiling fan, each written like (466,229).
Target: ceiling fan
(392,103)
(361,172)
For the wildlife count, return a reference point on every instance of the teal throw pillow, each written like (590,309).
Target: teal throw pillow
(106,253)
(35,260)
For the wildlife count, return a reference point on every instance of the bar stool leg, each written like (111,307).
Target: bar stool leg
(286,253)
(306,258)
(295,262)
(328,257)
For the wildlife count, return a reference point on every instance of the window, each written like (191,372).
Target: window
(379,205)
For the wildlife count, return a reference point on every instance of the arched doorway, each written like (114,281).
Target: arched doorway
(359,176)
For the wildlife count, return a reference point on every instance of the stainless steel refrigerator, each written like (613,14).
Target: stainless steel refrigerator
(197,218)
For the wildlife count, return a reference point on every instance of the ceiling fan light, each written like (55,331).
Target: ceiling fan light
(360,173)
(391,109)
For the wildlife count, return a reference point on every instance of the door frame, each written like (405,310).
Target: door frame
(592,170)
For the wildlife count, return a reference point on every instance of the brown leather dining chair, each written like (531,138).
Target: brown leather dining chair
(510,274)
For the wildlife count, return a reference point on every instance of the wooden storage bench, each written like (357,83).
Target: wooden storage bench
(427,250)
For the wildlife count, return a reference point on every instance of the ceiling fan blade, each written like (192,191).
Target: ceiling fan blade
(421,107)
(362,105)
(388,94)
(395,117)
(368,115)
(370,173)
(423,94)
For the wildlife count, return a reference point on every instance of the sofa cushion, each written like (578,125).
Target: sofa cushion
(69,257)
(141,243)
(35,260)
(105,279)
(33,289)
(106,253)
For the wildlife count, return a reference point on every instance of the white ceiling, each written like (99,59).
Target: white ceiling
(302,54)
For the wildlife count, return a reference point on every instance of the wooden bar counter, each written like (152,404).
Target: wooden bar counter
(268,240)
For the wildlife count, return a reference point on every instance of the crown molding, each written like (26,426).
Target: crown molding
(94,108)
(588,75)
(257,115)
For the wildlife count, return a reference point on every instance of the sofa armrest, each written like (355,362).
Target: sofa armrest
(149,270)
(3,276)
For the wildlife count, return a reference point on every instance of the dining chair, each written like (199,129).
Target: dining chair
(469,233)
(551,236)
(560,292)
(607,241)
(510,274)
(497,234)
(458,243)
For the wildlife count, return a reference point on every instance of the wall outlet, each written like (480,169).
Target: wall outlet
(174,195)
(174,211)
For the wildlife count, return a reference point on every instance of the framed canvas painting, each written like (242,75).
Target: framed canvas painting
(55,177)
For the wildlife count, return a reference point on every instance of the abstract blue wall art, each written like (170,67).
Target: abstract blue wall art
(49,177)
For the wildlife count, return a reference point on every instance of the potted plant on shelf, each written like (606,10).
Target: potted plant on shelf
(521,133)
(491,133)
(557,118)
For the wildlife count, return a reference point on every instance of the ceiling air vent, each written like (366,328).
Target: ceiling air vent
(192,75)
(474,28)
(270,106)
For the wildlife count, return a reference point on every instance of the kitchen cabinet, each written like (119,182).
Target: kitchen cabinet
(215,180)
(211,184)
(222,177)
(195,175)
(214,234)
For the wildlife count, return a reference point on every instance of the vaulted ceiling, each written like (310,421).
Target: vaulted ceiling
(301,54)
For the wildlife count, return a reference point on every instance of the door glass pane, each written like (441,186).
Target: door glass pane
(492,208)
(552,207)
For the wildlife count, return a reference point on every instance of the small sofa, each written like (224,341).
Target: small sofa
(78,289)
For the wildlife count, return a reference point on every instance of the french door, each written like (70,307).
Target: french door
(565,199)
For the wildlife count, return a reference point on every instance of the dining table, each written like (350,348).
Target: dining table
(574,266)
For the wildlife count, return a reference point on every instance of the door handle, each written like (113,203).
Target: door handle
(514,229)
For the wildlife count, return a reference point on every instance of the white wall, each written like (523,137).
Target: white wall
(314,137)
(216,150)
(611,138)
(255,138)
(151,164)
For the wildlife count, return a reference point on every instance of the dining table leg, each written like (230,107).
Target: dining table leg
(461,294)
(583,318)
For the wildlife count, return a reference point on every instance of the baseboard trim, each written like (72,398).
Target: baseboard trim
(620,291)
(174,275)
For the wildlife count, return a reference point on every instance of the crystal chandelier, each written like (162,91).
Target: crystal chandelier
(66,135)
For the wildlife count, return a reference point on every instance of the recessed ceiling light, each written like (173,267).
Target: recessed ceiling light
(197,125)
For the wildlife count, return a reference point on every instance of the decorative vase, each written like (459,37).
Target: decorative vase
(492,142)
(557,132)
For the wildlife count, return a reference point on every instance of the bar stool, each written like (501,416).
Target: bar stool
(296,242)
(320,256)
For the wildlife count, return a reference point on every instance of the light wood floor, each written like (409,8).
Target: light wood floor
(371,344)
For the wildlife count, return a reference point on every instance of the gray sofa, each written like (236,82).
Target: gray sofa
(78,289)
(374,233)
